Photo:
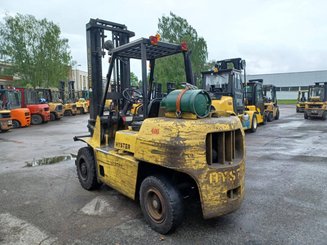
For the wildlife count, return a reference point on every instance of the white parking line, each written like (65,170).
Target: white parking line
(17,231)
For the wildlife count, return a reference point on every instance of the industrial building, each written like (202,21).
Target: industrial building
(289,83)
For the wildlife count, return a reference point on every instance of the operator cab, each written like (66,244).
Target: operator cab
(318,92)
(131,106)
(269,94)
(254,94)
(226,79)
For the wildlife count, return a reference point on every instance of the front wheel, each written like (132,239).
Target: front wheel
(16,124)
(86,169)
(254,124)
(270,116)
(161,204)
(52,116)
(36,119)
(277,114)
(324,115)
(305,115)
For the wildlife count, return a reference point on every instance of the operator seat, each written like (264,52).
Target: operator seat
(153,111)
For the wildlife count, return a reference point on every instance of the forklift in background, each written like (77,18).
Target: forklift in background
(302,97)
(70,108)
(316,106)
(81,103)
(5,115)
(225,86)
(10,99)
(270,102)
(161,157)
(40,111)
(55,105)
(254,100)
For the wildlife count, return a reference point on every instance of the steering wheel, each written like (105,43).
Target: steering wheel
(132,95)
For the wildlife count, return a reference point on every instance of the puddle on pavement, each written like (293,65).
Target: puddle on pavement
(50,160)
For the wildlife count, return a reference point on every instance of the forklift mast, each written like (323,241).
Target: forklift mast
(71,91)
(62,91)
(95,35)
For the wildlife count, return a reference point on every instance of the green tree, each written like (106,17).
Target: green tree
(134,80)
(39,56)
(176,30)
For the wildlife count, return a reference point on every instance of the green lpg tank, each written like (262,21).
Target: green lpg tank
(195,101)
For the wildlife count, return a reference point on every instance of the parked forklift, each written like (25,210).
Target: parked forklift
(254,100)
(10,99)
(70,108)
(302,97)
(40,111)
(55,105)
(316,106)
(175,150)
(270,102)
(225,86)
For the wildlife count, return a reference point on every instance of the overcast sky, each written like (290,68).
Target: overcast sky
(272,35)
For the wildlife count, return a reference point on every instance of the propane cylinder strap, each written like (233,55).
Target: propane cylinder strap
(178,102)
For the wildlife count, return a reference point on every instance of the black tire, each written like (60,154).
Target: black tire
(277,114)
(36,119)
(270,116)
(324,115)
(52,116)
(16,124)
(297,110)
(264,119)
(306,115)
(86,169)
(68,113)
(254,124)
(81,111)
(161,204)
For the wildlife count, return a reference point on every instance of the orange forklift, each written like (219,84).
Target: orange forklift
(40,111)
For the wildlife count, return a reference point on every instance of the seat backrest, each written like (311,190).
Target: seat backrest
(154,107)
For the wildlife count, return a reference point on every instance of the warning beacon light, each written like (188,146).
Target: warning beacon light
(155,39)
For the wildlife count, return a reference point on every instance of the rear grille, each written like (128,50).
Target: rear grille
(224,147)
(46,109)
(27,114)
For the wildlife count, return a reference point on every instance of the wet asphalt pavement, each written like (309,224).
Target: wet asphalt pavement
(285,200)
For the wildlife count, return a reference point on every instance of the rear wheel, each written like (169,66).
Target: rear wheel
(306,115)
(86,169)
(277,114)
(270,116)
(52,116)
(68,113)
(254,124)
(36,119)
(161,204)
(324,115)
(16,124)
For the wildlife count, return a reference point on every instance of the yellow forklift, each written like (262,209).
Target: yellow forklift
(5,119)
(56,106)
(316,106)
(70,108)
(175,150)
(270,102)
(225,85)
(302,97)
(254,100)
